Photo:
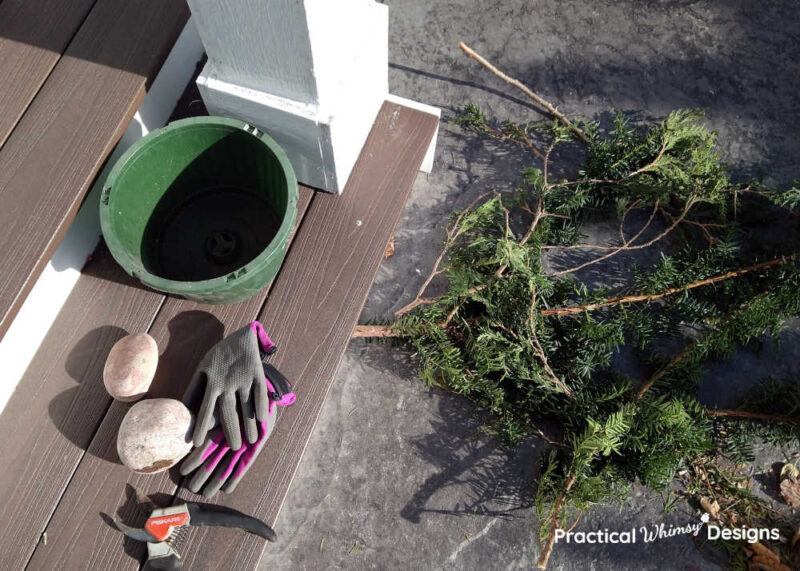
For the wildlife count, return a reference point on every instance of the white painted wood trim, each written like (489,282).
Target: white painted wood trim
(312,74)
(51,290)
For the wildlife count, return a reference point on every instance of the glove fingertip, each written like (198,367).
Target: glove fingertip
(234,440)
(251,430)
(199,438)
(231,486)
(195,485)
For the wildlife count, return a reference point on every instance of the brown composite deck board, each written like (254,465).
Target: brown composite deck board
(60,401)
(70,127)
(33,35)
(311,313)
(77,537)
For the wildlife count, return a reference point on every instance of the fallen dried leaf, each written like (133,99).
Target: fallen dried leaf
(790,492)
(766,559)
(796,537)
(389,248)
(711,506)
(789,470)
(767,564)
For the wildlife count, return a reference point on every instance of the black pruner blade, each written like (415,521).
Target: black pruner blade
(221,516)
(133,532)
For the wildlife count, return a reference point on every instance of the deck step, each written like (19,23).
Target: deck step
(310,310)
(184,331)
(70,126)
(33,35)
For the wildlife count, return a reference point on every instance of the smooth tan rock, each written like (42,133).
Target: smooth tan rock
(130,367)
(154,435)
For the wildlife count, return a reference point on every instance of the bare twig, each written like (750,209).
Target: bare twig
(546,163)
(660,373)
(452,234)
(704,226)
(624,217)
(547,550)
(525,89)
(673,290)
(373,331)
(574,523)
(537,347)
(627,245)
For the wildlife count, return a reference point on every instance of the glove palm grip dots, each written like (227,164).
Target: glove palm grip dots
(215,462)
(228,387)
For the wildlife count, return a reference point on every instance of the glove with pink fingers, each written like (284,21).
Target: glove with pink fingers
(215,465)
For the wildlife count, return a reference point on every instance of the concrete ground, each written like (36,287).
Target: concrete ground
(396,474)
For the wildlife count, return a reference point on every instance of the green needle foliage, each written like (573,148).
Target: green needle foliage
(522,333)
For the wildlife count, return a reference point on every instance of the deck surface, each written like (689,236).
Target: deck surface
(73,74)
(62,471)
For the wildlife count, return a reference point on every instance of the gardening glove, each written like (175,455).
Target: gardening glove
(216,465)
(232,368)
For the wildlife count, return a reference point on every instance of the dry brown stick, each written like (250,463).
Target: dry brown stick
(374,331)
(754,416)
(545,164)
(544,556)
(574,523)
(525,89)
(539,350)
(673,290)
(452,234)
(624,217)
(704,226)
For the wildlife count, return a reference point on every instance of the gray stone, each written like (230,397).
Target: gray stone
(154,435)
(130,367)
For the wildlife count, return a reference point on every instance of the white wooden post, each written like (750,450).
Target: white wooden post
(310,73)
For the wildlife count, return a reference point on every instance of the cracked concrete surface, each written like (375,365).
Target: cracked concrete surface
(396,474)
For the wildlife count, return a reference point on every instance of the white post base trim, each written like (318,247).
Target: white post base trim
(312,74)
(52,288)
(323,148)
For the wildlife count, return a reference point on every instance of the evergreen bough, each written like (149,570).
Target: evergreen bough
(523,336)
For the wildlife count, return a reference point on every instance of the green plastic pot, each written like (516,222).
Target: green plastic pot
(202,208)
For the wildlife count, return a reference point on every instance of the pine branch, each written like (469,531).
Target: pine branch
(673,290)
(547,551)
(500,351)
(525,89)
(688,349)
(452,234)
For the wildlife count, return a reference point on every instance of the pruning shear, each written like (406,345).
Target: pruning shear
(166,526)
